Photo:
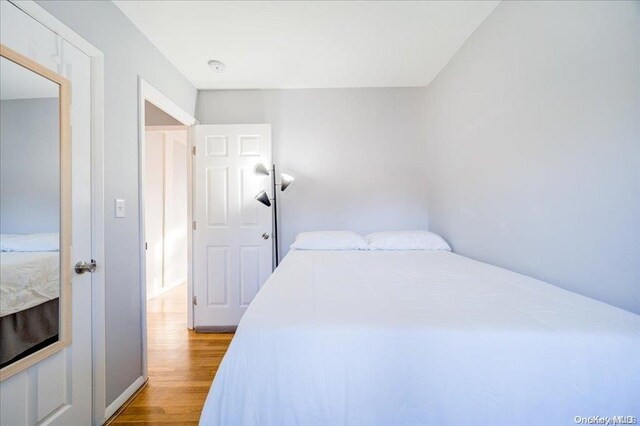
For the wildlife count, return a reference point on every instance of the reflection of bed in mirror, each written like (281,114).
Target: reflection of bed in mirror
(35,214)
(29,293)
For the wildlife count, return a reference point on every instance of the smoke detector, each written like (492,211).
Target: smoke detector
(216,66)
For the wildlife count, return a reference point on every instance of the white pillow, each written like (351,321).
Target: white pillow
(406,240)
(31,242)
(329,240)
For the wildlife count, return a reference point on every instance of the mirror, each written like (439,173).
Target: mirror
(34,212)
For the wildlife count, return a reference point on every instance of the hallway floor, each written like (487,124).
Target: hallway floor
(182,365)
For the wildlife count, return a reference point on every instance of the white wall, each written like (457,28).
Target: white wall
(127,55)
(154,210)
(175,220)
(166,209)
(533,152)
(357,154)
(29,166)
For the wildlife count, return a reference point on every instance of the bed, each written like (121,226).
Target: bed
(422,338)
(29,302)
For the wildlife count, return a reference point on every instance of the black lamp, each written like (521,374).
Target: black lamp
(263,198)
(285,180)
(261,170)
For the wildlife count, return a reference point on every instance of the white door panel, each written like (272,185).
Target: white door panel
(231,258)
(58,390)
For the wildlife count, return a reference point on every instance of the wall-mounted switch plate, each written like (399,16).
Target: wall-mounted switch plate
(120,207)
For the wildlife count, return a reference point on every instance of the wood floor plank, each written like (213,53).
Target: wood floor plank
(182,365)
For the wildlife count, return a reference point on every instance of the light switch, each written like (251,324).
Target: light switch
(119,207)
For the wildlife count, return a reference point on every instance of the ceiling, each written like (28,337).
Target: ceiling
(308,44)
(18,82)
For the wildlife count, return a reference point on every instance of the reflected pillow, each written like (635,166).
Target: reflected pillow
(4,239)
(30,242)
(406,240)
(329,240)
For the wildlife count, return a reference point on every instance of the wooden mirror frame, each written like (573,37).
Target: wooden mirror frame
(64,305)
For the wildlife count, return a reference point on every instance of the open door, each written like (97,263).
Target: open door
(46,226)
(232,246)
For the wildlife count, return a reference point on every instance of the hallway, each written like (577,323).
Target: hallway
(182,365)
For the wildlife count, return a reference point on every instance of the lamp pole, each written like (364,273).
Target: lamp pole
(275,217)
(263,198)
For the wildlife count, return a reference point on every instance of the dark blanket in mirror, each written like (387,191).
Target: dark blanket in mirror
(25,332)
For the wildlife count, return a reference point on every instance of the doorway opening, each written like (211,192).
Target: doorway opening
(165,224)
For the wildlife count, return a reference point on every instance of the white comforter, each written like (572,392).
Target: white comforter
(422,338)
(27,279)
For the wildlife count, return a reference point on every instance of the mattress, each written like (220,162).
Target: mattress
(27,279)
(24,332)
(422,338)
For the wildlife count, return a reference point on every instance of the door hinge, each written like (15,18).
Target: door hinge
(193,225)
(193,150)
(195,300)
(146,246)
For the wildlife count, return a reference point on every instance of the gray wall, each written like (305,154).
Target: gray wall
(29,166)
(154,116)
(127,54)
(357,154)
(533,146)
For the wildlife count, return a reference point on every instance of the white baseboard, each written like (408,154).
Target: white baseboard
(115,405)
(165,289)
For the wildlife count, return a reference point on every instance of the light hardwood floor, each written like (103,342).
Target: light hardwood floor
(181,366)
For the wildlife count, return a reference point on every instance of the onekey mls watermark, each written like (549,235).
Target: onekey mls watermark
(606,420)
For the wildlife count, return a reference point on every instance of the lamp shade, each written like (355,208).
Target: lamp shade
(261,170)
(285,180)
(263,198)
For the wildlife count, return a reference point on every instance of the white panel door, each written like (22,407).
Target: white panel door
(57,390)
(231,257)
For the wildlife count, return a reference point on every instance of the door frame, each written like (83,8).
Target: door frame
(96,58)
(146,92)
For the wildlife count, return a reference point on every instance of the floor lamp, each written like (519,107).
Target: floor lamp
(285,180)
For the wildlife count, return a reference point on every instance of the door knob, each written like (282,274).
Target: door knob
(82,266)
(265,236)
